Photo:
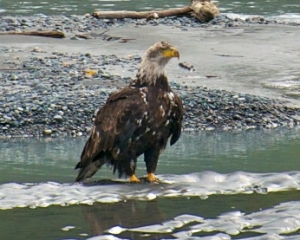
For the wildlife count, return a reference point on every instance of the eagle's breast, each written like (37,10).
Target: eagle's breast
(158,116)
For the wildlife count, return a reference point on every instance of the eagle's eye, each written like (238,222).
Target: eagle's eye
(165,45)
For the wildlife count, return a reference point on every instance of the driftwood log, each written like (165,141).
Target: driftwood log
(52,34)
(204,10)
(138,15)
(187,66)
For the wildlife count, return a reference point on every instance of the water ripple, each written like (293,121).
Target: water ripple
(201,185)
(269,224)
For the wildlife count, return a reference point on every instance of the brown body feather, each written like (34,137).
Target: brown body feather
(136,120)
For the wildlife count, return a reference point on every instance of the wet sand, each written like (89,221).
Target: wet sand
(261,60)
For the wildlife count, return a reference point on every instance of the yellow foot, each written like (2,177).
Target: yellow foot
(134,179)
(151,177)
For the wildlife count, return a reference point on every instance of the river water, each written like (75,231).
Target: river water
(288,9)
(230,185)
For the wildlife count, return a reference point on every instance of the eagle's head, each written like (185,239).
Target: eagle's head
(155,60)
(161,53)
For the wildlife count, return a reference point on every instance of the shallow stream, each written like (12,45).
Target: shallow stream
(282,8)
(222,184)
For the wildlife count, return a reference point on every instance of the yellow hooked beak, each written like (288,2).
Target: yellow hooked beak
(171,52)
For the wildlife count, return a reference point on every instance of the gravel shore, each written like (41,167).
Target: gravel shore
(85,24)
(55,93)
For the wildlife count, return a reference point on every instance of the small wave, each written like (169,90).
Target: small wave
(202,184)
(287,17)
(270,223)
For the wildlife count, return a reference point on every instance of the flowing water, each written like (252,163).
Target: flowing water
(230,185)
(282,8)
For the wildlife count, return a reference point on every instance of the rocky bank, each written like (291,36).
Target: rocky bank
(56,93)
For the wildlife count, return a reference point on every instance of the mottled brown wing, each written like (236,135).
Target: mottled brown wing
(114,125)
(176,122)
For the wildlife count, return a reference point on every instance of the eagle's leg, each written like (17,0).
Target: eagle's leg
(134,179)
(130,171)
(151,177)
(151,159)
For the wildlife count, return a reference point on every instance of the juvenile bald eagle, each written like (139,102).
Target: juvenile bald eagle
(138,119)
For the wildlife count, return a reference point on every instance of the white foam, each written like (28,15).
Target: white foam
(67,228)
(202,184)
(274,237)
(219,236)
(187,218)
(239,16)
(105,237)
(287,17)
(156,228)
(116,230)
(270,224)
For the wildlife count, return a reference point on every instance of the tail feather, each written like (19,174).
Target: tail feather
(88,170)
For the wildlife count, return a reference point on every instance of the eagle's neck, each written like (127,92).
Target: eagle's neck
(151,73)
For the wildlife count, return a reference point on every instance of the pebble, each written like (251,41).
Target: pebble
(60,113)
(47,131)
(36,49)
(58,118)
(14,77)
